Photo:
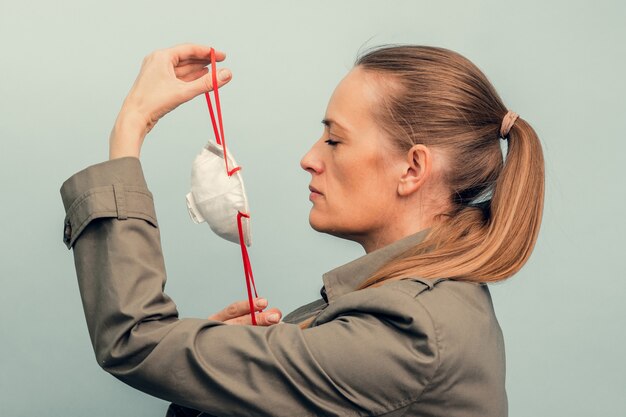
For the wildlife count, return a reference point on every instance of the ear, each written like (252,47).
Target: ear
(419,161)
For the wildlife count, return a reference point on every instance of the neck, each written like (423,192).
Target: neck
(376,240)
(410,216)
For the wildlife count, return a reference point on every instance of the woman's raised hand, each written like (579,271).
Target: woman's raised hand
(168,78)
(239,313)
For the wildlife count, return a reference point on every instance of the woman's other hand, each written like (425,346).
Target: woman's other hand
(239,313)
(168,78)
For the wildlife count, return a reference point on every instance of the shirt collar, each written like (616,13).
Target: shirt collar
(348,277)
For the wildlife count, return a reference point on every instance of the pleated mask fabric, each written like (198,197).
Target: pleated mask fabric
(217,197)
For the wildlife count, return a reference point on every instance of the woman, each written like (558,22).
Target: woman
(409,166)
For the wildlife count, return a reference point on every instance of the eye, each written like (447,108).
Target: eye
(331,142)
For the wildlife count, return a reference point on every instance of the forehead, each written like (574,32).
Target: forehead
(354,99)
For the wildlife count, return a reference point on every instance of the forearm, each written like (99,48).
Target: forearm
(121,278)
(128,134)
(112,227)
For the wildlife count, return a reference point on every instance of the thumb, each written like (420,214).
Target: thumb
(205,82)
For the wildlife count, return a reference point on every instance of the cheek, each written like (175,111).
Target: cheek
(366,183)
(347,177)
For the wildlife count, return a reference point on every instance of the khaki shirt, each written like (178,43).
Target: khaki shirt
(408,348)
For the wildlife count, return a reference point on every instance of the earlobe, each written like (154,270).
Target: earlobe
(417,170)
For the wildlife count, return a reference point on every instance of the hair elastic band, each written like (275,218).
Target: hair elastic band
(507,123)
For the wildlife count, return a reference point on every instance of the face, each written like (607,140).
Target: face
(354,167)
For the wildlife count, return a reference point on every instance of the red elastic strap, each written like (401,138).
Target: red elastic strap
(221,140)
(247,268)
(219,135)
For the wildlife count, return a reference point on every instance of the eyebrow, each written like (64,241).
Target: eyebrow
(329,122)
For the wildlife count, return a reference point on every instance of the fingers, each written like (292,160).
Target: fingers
(188,61)
(205,61)
(189,51)
(168,78)
(268,318)
(205,83)
(184,70)
(194,75)
(239,313)
(239,309)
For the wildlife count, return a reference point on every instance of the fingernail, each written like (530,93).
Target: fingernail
(261,302)
(223,74)
(273,318)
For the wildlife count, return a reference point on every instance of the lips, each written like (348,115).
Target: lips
(314,190)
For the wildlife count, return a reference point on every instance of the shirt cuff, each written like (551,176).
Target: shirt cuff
(115,188)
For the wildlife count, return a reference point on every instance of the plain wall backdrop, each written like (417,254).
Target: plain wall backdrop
(67,65)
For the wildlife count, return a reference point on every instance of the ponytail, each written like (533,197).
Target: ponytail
(468,247)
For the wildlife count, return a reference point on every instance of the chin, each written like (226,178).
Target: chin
(316,224)
(319,223)
(331,228)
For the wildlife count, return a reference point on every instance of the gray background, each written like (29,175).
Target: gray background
(67,65)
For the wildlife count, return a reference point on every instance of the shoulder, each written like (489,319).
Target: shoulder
(391,311)
(461,313)
(457,318)
(441,299)
(420,339)
(423,340)
(466,332)
(448,298)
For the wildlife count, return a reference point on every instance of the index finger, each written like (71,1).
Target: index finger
(191,51)
(238,309)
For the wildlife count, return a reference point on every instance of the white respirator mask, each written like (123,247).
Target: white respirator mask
(216,197)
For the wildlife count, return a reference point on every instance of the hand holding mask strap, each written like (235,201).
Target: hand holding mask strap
(217,195)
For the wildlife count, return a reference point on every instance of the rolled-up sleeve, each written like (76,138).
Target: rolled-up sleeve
(370,353)
(116,188)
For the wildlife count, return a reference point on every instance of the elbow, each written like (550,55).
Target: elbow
(119,352)
(125,360)
(115,356)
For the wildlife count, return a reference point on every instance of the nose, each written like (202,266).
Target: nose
(311,162)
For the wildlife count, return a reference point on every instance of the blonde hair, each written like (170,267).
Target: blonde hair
(438,98)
